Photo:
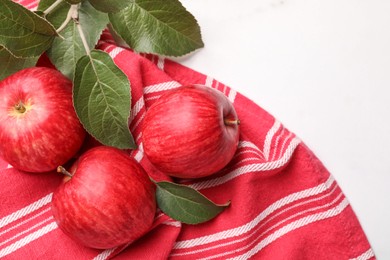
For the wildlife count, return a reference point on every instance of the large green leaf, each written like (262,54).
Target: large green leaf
(185,204)
(101,97)
(22,32)
(111,6)
(64,53)
(11,64)
(163,27)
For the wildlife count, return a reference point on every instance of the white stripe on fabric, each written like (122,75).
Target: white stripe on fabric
(136,108)
(152,98)
(250,168)
(224,91)
(26,231)
(105,254)
(276,143)
(269,219)
(160,63)
(25,221)
(26,210)
(107,47)
(268,138)
(255,240)
(365,256)
(249,159)
(209,81)
(32,6)
(284,159)
(140,153)
(114,52)
(242,144)
(293,226)
(250,225)
(284,144)
(247,144)
(136,124)
(232,95)
(161,86)
(27,239)
(257,158)
(172,223)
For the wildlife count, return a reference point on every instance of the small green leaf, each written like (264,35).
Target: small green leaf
(111,6)
(185,204)
(162,27)
(11,64)
(23,32)
(101,97)
(64,53)
(56,16)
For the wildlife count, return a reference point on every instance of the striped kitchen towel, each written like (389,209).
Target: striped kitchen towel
(284,202)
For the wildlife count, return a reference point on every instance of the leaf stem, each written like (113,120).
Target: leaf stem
(73,12)
(52,7)
(155,182)
(82,35)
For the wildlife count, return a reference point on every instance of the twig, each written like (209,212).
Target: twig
(82,35)
(73,12)
(52,7)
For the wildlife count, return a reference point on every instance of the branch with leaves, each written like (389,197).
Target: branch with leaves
(67,31)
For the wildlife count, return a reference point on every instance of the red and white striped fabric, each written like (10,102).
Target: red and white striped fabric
(284,203)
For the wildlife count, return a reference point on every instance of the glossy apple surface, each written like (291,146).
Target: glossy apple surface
(109,200)
(190,132)
(39,129)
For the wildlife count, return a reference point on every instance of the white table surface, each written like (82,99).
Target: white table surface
(321,67)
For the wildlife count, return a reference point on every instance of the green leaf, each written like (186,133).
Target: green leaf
(56,16)
(111,6)
(101,97)
(185,204)
(64,53)
(23,32)
(162,27)
(11,64)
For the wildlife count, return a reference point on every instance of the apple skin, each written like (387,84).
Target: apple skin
(190,132)
(39,128)
(109,200)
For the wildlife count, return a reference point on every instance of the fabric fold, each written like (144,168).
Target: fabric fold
(284,202)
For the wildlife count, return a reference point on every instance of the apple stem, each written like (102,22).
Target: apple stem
(231,121)
(20,107)
(64,171)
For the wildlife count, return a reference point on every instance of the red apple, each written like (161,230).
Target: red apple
(190,132)
(107,201)
(39,129)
